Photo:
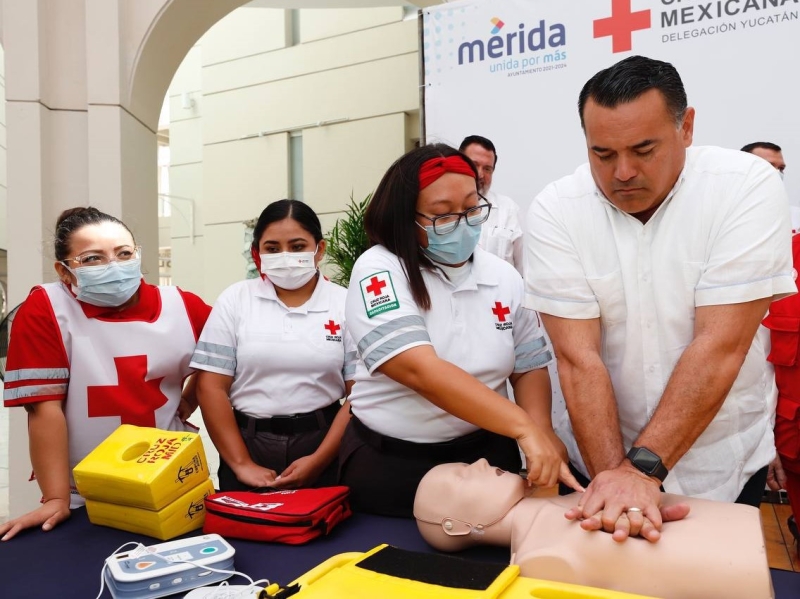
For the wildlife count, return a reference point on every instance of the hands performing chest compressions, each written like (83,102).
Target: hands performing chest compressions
(637,264)
(714,551)
(651,266)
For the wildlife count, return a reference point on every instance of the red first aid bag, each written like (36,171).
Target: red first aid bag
(293,516)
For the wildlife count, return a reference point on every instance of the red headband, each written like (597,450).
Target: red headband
(434,168)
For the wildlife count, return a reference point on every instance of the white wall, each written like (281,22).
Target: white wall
(345,79)
(3,183)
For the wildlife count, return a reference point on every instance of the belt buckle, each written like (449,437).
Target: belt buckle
(283,425)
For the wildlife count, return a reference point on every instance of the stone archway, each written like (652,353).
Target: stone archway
(172,32)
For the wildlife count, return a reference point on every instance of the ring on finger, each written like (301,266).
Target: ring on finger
(634,509)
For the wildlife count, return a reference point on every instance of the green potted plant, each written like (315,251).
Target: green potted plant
(348,240)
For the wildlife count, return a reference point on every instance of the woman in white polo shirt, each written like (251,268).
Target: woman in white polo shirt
(440,328)
(276,350)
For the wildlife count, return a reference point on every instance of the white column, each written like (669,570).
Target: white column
(67,149)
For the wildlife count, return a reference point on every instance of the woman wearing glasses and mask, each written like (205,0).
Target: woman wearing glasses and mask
(95,350)
(440,328)
(276,350)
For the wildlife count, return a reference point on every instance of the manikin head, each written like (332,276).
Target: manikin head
(457,505)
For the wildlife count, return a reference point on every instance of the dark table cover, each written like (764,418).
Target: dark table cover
(65,563)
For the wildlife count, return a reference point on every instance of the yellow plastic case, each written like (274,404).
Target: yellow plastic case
(142,467)
(340,577)
(183,515)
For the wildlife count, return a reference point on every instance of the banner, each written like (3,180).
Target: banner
(511,71)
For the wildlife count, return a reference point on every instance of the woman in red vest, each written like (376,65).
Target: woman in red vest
(96,349)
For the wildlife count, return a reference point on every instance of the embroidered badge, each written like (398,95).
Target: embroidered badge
(333,330)
(501,312)
(378,293)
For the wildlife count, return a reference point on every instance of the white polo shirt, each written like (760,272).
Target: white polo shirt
(501,234)
(722,236)
(283,360)
(480,326)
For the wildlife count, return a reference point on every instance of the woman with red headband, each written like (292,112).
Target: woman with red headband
(440,328)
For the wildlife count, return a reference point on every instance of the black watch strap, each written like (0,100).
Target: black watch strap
(648,462)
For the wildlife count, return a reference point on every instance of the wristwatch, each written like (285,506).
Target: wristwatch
(648,462)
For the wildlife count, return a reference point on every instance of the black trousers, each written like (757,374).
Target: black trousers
(383,476)
(751,494)
(275,451)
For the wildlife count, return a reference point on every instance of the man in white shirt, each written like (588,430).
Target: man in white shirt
(773,154)
(652,267)
(501,234)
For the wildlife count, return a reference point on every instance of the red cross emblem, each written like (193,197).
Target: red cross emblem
(332,327)
(134,399)
(375,286)
(621,25)
(500,311)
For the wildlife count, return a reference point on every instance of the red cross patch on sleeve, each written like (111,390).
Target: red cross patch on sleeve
(378,293)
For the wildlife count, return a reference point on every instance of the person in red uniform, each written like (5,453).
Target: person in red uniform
(784,324)
(96,349)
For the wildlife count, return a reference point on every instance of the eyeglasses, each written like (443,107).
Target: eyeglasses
(447,223)
(96,260)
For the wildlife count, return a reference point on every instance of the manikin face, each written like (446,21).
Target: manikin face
(475,493)
(636,150)
(774,157)
(484,161)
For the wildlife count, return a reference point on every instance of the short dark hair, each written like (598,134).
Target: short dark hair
(73,219)
(282,209)
(766,145)
(630,78)
(390,219)
(483,142)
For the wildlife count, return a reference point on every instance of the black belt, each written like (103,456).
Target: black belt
(317,420)
(444,451)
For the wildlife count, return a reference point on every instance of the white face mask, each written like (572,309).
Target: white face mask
(107,286)
(289,270)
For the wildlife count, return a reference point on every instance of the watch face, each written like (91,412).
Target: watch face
(646,460)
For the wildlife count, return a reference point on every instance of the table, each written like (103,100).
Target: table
(65,563)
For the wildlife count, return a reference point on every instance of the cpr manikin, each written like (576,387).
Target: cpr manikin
(716,552)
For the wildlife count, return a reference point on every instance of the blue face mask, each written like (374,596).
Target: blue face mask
(454,247)
(107,287)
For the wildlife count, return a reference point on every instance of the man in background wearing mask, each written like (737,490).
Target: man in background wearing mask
(773,154)
(501,234)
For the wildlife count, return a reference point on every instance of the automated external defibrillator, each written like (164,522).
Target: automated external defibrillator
(391,573)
